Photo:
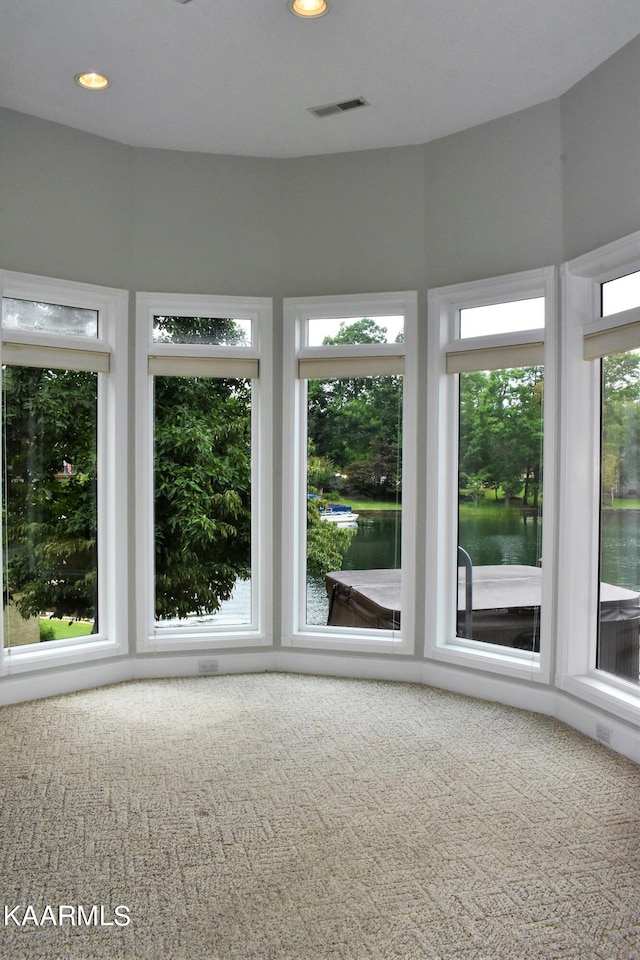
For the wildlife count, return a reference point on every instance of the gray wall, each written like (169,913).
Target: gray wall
(523,191)
(354,222)
(601,153)
(493,198)
(480,203)
(206,224)
(65,202)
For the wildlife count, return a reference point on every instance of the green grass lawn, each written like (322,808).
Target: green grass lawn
(357,505)
(51,629)
(488,508)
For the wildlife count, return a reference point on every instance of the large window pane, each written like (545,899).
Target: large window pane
(202,500)
(354,483)
(620,517)
(500,506)
(49,504)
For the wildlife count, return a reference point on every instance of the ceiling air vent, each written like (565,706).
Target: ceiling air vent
(332,108)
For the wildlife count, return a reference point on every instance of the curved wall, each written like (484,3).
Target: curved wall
(484,202)
(530,189)
(601,154)
(527,190)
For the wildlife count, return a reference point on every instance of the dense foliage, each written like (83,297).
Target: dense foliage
(202,494)
(50,491)
(202,500)
(202,470)
(354,424)
(326,542)
(501,432)
(621,426)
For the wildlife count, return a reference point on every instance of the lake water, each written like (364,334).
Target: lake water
(376,546)
(502,537)
(620,560)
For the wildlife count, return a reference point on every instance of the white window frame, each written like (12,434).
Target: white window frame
(211,360)
(107,355)
(447,354)
(388,358)
(587,336)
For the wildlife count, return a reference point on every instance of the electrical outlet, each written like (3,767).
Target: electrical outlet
(208,666)
(603,733)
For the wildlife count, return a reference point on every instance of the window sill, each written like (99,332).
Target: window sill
(617,697)
(356,641)
(506,661)
(57,654)
(190,640)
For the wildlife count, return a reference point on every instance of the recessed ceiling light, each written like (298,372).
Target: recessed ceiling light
(308,8)
(92,81)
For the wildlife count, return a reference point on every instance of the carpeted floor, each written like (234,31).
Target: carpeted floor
(276,817)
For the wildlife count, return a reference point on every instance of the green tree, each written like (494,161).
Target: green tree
(50,493)
(501,429)
(202,491)
(202,499)
(326,542)
(321,471)
(620,423)
(379,475)
(351,420)
(202,469)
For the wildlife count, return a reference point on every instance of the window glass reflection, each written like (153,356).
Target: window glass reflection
(500,506)
(49,502)
(619,630)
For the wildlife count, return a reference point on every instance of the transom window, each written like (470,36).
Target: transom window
(621,293)
(203,330)
(53,318)
(494,318)
(327,330)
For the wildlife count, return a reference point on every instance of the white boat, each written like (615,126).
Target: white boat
(340,514)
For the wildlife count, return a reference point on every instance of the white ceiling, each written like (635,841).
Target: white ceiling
(238,76)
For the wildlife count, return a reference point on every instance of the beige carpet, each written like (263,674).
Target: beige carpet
(271,817)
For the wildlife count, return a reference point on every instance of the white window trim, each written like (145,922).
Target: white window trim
(206,360)
(295,633)
(110,348)
(579,473)
(441,468)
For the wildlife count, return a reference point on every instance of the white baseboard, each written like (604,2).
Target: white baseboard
(615,734)
(156,666)
(50,683)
